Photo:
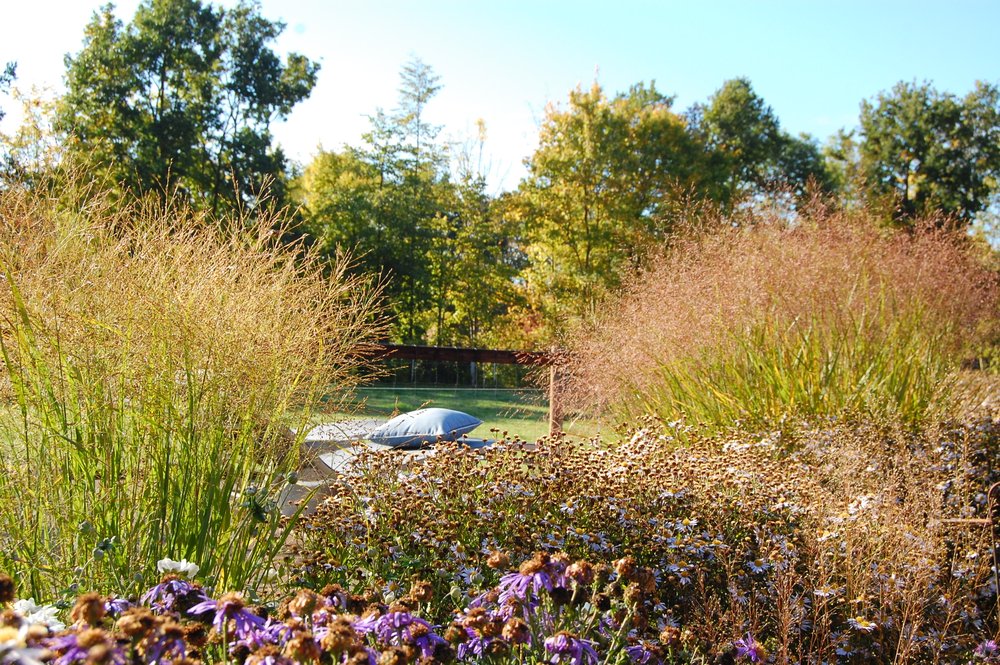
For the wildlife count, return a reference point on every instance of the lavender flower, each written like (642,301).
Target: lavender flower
(171,593)
(91,644)
(537,573)
(639,654)
(399,628)
(748,647)
(230,608)
(567,647)
(987,649)
(115,606)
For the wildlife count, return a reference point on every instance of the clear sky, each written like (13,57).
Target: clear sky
(504,60)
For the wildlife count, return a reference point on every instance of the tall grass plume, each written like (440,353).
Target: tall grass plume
(754,324)
(150,357)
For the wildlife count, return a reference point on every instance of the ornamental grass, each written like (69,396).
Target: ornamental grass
(150,356)
(773,321)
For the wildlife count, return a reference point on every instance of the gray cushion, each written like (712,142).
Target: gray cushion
(410,430)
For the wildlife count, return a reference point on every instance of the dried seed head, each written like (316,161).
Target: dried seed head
(498,560)
(516,631)
(422,591)
(89,609)
(304,603)
(8,590)
(302,648)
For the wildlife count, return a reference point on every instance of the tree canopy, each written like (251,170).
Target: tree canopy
(927,152)
(182,98)
(6,78)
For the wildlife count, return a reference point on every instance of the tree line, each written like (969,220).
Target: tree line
(179,103)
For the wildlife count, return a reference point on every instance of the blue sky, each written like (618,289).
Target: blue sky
(813,62)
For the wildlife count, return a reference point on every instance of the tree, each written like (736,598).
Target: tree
(183,98)
(6,79)
(926,152)
(382,199)
(749,155)
(599,193)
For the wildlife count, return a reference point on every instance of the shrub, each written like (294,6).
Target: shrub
(754,325)
(150,356)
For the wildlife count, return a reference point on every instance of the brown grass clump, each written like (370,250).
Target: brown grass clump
(154,293)
(153,364)
(755,324)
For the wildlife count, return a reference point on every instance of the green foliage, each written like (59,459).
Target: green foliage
(149,362)
(749,154)
(878,363)
(923,152)
(603,187)
(441,248)
(182,99)
(6,78)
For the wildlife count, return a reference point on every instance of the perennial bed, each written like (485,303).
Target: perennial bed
(828,548)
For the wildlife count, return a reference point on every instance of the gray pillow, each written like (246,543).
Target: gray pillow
(410,430)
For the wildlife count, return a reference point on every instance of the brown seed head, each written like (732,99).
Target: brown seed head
(91,637)
(339,637)
(304,603)
(263,655)
(516,631)
(11,618)
(581,572)
(89,609)
(422,591)
(625,567)
(302,648)
(136,623)
(670,636)
(392,656)
(498,560)
(8,590)
(455,634)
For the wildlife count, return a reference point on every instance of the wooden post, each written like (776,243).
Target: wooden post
(555,405)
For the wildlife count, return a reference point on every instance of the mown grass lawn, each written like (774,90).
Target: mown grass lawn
(520,412)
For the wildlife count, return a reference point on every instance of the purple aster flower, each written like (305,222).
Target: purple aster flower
(399,628)
(365,625)
(987,649)
(567,647)
(115,606)
(167,646)
(230,608)
(75,647)
(639,654)
(272,632)
(537,573)
(748,647)
(171,593)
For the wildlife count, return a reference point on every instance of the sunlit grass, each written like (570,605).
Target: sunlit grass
(151,360)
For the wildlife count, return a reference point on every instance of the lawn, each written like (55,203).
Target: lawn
(518,412)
